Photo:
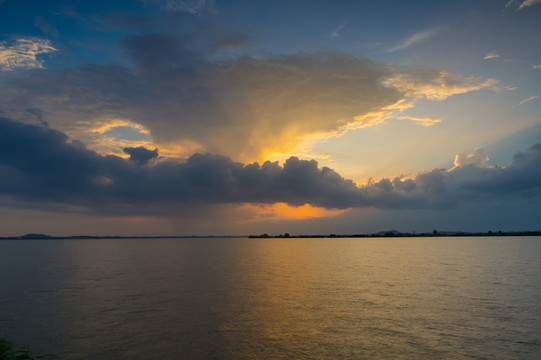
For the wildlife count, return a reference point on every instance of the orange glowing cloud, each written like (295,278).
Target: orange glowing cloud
(283,211)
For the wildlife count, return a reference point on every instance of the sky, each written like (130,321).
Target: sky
(218,117)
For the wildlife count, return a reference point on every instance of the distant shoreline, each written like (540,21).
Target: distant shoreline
(394,234)
(83,237)
(382,234)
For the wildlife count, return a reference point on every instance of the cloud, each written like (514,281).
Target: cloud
(492,55)
(40,166)
(510,2)
(415,39)
(336,32)
(23,54)
(283,211)
(156,51)
(178,96)
(523,4)
(536,66)
(531,98)
(141,155)
(425,121)
(182,92)
(468,182)
(434,84)
(521,176)
(528,3)
(190,6)
(477,158)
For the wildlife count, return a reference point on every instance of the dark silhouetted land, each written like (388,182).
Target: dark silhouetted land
(382,234)
(395,233)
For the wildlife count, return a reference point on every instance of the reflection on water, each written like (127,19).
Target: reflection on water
(432,298)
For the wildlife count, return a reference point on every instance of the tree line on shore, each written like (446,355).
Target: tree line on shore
(394,233)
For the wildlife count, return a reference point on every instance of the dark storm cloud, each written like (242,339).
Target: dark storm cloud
(156,52)
(141,155)
(41,164)
(468,182)
(522,175)
(38,163)
(204,35)
(44,165)
(475,181)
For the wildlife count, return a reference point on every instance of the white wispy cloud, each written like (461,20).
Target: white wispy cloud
(528,99)
(191,6)
(509,3)
(336,32)
(528,3)
(414,39)
(23,54)
(477,158)
(434,84)
(424,121)
(492,55)
(523,4)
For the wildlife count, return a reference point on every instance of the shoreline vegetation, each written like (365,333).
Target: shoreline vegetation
(395,233)
(381,234)
(11,351)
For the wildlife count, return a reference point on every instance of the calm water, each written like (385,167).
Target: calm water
(418,298)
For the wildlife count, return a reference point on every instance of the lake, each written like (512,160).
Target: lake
(240,298)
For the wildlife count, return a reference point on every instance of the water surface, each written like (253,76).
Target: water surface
(387,298)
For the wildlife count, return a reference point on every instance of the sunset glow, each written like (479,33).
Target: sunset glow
(283,211)
(228,117)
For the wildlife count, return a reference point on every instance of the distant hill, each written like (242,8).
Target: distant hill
(388,232)
(35,236)
(88,237)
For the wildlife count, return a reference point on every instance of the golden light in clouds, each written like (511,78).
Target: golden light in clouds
(97,140)
(106,126)
(23,54)
(424,121)
(245,108)
(434,84)
(283,211)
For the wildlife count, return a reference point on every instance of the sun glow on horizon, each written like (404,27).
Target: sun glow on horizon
(283,211)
